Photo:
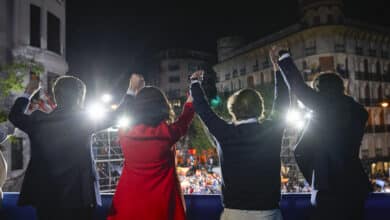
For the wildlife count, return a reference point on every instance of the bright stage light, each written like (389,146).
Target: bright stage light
(309,115)
(96,111)
(293,116)
(114,107)
(123,122)
(300,125)
(106,98)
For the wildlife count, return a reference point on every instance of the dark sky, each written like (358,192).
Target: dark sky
(108,39)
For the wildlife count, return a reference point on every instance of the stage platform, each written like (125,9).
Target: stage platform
(208,207)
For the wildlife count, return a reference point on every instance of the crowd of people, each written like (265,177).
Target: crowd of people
(61,179)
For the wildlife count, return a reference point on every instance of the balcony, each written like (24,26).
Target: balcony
(205,207)
(310,51)
(369,102)
(372,77)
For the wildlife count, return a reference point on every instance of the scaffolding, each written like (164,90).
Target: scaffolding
(108,158)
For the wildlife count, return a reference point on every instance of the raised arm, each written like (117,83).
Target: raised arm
(17,114)
(136,83)
(215,124)
(180,127)
(282,97)
(304,93)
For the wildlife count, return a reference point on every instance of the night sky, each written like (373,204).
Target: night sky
(106,40)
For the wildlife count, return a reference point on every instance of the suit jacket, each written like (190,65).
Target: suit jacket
(249,152)
(61,172)
(330,145)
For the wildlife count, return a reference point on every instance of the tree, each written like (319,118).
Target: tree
(198,136)
(11,79)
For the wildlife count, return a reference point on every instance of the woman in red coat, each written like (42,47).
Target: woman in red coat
(149,187)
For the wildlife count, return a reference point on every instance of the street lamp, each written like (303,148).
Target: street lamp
(384,104)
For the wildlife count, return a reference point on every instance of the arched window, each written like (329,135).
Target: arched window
(239,84)
(365,65)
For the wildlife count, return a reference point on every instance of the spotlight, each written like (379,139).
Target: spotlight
(384,104)
(300,125)
(114,107)
(96,111)
(309,115)
(106,98)
(123,122)
(293,116)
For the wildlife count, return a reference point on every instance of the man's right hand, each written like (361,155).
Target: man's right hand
(198,75)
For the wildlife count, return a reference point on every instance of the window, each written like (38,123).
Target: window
(243,71)
(53,33)
(339,44)
(266,63)
(256,66)
(378,152)
(364,153)
(317,20)
(17,154)
(174,79)
(227,76)
(366,66)
(35,26)
(235,73)
(330,19)
(359,47)
(173,67)
(310,47)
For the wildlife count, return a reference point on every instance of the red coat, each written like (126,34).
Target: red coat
(149,187)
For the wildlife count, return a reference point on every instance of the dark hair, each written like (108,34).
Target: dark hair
(69,92)
(329,83)
(245,104)
(151,107)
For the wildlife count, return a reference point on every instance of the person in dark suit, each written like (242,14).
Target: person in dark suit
(60,180)
(328,151)
(249,149)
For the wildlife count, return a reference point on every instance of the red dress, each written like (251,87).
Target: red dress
(149,188)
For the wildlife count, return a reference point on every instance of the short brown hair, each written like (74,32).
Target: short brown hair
(69,92)
(245,104)
(328,82)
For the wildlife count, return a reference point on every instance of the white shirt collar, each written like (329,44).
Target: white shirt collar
(246,121)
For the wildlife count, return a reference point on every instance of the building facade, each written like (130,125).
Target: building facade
(324,40)
(33,31)
(175,67)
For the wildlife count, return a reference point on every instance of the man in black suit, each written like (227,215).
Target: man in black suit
(60,180)
(328,152)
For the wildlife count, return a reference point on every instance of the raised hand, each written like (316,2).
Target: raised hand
(198,75)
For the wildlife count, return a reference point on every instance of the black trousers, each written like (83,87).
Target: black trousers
(338,206)
(46,213)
